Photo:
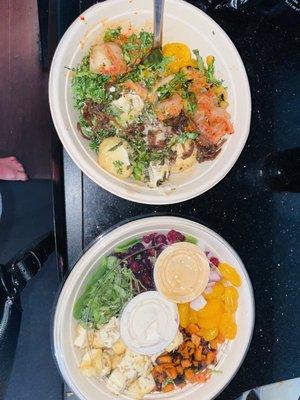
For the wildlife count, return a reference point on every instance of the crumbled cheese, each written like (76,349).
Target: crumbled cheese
(130,106)
(109,333)
(117,382)
(157,172)
(81,337)
(146,383)
(131,367)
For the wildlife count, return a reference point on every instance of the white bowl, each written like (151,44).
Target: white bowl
(182,23)
(231,355)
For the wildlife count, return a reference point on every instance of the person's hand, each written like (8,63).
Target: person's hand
(12,170)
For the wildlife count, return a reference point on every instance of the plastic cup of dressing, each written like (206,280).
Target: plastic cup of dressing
(181,272)
(149,323)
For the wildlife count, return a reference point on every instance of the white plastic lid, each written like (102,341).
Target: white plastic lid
(149,323)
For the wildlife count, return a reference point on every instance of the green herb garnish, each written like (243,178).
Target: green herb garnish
(112,34)
(200,61)
(190,102)
(137,46)
(114,111)
(115,147)
(146,39)
(174,85)
(87,85)
(183,137)
(209,72)
(118,164)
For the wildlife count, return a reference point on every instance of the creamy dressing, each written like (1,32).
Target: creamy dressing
(181,272)
(149,323)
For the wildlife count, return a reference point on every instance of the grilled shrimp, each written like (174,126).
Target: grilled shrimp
(169,108)
(107,58)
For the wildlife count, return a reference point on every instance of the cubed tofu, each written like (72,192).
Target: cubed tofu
(96,341)
(116,382)
(137,362)
(134,391)
(119,347)
(81,337)
(109,333)
(91,363)
(106,364)
(115,361)
(146,383)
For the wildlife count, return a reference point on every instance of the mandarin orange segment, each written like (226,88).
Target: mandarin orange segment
(230,298)
(209,323)
(230,274)
(209,334)
(184,314)
(216,292)
(227,326)
(212,308)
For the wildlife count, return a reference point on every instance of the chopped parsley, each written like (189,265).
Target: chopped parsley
(190,102)
(174,85)
(146,39)
(113,110)
(137,46)
(112,34)
(183,137)
(118,164)
(87,85)
(100,136)
(147,75)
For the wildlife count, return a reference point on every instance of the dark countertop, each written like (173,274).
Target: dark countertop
(248,207)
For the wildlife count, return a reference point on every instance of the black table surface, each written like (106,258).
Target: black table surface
(260,222)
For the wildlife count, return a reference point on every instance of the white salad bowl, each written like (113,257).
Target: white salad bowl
(230,356)
(182,23)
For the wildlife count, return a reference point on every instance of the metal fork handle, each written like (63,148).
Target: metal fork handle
(158,23)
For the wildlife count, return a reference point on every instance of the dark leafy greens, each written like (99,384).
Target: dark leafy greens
(106,292)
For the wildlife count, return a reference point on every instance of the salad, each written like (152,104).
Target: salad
(147,120)
(200,326)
